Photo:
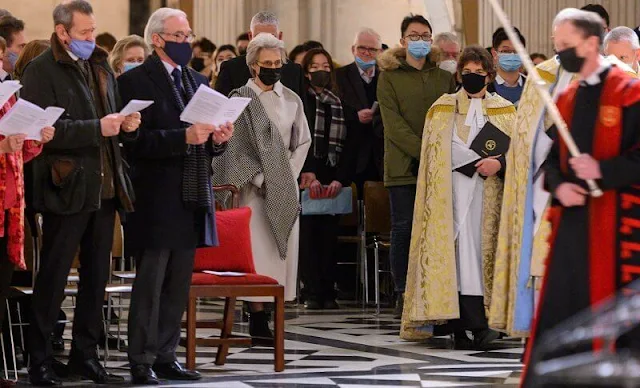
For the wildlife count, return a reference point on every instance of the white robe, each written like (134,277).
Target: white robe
(467,207)
(285,110)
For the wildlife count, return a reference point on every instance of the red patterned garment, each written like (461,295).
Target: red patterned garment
(15,226)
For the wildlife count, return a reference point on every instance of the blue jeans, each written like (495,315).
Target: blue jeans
(402,200)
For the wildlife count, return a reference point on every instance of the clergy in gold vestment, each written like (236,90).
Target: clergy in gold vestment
(456,217)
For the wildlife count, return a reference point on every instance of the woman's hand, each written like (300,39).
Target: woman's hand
(223,133)
(306,179)
(334,189)
(315,189)
(47,134)
(11,144)
(489,166)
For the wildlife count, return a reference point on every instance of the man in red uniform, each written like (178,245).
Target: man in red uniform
(596,241)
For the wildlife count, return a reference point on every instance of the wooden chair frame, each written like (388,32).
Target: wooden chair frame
(230,293)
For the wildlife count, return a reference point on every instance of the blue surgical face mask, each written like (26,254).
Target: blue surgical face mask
(82,48)
(130,65)
(509,62)
(365,65)
(12,58)
(419,49)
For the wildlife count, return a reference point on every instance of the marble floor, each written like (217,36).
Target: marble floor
(348,348)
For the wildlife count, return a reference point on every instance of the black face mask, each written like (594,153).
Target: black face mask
(473,83)
(269,76)
(570,61)
(320,79)
(197,64)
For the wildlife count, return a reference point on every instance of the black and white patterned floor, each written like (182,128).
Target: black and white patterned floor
(348,348)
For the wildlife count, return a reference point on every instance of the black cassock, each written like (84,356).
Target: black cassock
(571,284)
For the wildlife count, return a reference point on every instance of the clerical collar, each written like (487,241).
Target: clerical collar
(475,113)
(595,77)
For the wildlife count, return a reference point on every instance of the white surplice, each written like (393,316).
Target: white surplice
(467,206)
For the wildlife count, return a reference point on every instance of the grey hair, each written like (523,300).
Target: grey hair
(589,23)
(261,42)
(63,13)
(445,37)
(622,34)
(155,25)
(264,18)
(368,31)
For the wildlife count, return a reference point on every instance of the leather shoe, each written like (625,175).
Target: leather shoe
(175,371)
(43,376)
(483,338)
(143,375)
(93,370)
(312,304)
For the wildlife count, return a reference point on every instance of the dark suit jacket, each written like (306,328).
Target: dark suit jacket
(234,73)
(161,221)
(370,136)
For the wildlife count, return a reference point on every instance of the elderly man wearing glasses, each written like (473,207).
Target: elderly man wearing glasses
(171,175)
(409,84)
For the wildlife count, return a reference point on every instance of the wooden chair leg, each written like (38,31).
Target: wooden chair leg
(191,333)
(279,334)
(227,326)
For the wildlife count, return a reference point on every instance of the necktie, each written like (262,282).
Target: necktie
(176,74)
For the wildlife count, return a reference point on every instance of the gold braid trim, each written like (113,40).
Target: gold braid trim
(546,76)
(501,111)
(440,109)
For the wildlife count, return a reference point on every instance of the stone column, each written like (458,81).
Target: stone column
(219,20)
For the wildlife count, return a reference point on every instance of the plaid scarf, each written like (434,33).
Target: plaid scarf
(196,178)
(337,129)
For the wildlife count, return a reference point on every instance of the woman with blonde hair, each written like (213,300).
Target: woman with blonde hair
(128,53)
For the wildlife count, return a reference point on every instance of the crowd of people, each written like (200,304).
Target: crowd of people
(468,227)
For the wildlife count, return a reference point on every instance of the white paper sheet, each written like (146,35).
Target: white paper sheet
(135,106)
(228,273)
(28,119)
(8,89)
(211,107)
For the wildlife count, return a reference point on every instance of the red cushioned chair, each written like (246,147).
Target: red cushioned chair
(233,254)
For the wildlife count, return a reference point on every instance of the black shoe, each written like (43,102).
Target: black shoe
(483,338)
(60,369)
(43,376)
(261,334)
(461,341)
(175,371)
(93,370)
(331,305)
(397,312)
(143,375)
(312,304)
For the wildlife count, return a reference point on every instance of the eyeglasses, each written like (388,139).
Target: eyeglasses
(181,37)
(479,72)
(271,64)
(364,50)
(416,37)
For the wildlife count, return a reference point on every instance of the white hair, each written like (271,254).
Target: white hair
(622,34)
(445,37)
(155,25)
(264,18)
(574,14)
(260,42)
(368,31)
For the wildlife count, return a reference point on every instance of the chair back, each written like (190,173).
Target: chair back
(353,218)
(117,249)
(377,209)
(235,196)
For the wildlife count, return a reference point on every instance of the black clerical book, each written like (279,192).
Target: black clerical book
(491,141)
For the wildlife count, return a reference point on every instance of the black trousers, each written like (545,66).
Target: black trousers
(318,246)
(472,316)
(158,301)
(62,235)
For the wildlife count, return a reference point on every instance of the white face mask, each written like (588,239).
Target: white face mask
(449,65)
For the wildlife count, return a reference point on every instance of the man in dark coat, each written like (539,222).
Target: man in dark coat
(234,73)
(171,173)
(79,183)
(357,84)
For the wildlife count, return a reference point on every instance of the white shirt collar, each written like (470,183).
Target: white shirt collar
(170,68)
(73,56)
(3,74)
(277,88)
(594,78)
(366,77)
(502,81)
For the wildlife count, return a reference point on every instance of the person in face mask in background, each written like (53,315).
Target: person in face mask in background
(509,82)
(221,55)
(357,84)
(449,47)
(12,30)
(128,53)
(79,184)
(623,43)
(329,167)
(267,179)
(202,61)
(410,82)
